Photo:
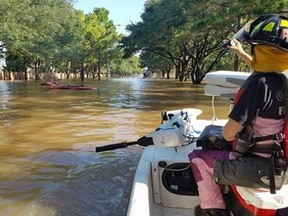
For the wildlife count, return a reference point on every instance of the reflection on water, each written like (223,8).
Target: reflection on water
(4,92)
(48,165)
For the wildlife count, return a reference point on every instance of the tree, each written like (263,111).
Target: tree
(70,50)
(156,64)
(190,33)
(228,17)
(31,26)
(101,36)
(125,67)
(168,23)
(142,33)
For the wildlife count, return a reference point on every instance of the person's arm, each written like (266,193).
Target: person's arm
(238,49)
(231,129)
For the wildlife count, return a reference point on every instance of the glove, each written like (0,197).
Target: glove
(280,165)
(211,142)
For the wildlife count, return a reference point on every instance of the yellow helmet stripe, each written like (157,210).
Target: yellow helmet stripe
(269,27)
(284,23)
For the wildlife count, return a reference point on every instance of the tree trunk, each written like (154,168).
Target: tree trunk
(82,72)
(196,77)
(177,71)
(94,70)
(36,69)
(181,73)
(168,74)
(184,68)
(68,70)
(26,73)
(99,66)
(236,63)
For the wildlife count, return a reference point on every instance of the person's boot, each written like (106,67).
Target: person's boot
(198,211)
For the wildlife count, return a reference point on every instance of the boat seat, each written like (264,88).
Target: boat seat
(220,91)
(231,79)
(224,83)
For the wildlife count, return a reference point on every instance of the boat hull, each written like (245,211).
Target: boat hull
(164,184)
(150,193)
(160,188)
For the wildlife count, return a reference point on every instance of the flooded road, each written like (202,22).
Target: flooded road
(48,164)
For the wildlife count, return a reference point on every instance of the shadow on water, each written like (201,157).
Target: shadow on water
(48,165)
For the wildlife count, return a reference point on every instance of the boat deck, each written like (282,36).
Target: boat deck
(149,196)
(159,210)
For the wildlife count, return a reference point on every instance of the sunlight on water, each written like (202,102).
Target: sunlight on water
(48,164)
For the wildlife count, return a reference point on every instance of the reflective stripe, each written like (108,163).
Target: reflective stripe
(284,23)
(269,27)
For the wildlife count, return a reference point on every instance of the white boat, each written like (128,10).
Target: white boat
(164,184)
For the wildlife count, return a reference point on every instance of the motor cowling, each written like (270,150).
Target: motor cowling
(170,137)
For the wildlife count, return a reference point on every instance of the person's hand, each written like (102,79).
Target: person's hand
(211,142)
(237,47)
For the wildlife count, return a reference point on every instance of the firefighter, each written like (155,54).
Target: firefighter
(256,123)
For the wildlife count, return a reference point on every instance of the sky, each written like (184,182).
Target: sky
(121,12)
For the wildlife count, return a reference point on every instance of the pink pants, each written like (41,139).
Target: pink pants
(202,166)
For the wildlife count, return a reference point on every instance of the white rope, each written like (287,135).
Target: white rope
(214,118)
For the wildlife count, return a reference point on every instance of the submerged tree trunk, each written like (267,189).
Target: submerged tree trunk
(94,70)
(36,68)
(68,70)
(99,66)
(82,72)
(26,73)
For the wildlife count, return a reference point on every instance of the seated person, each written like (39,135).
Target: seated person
(258,112)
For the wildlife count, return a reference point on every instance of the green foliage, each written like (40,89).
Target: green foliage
(126,67)
(100,38)
(51,33)
(14,63)
(184,35)
(189,33)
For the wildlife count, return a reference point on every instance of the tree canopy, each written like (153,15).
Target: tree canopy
(50,35)
(189,33)
(183,36)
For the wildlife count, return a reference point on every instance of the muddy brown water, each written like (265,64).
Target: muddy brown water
(48,164)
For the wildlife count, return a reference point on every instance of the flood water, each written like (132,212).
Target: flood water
(48,163)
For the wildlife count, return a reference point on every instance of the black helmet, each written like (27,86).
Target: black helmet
(268,29)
